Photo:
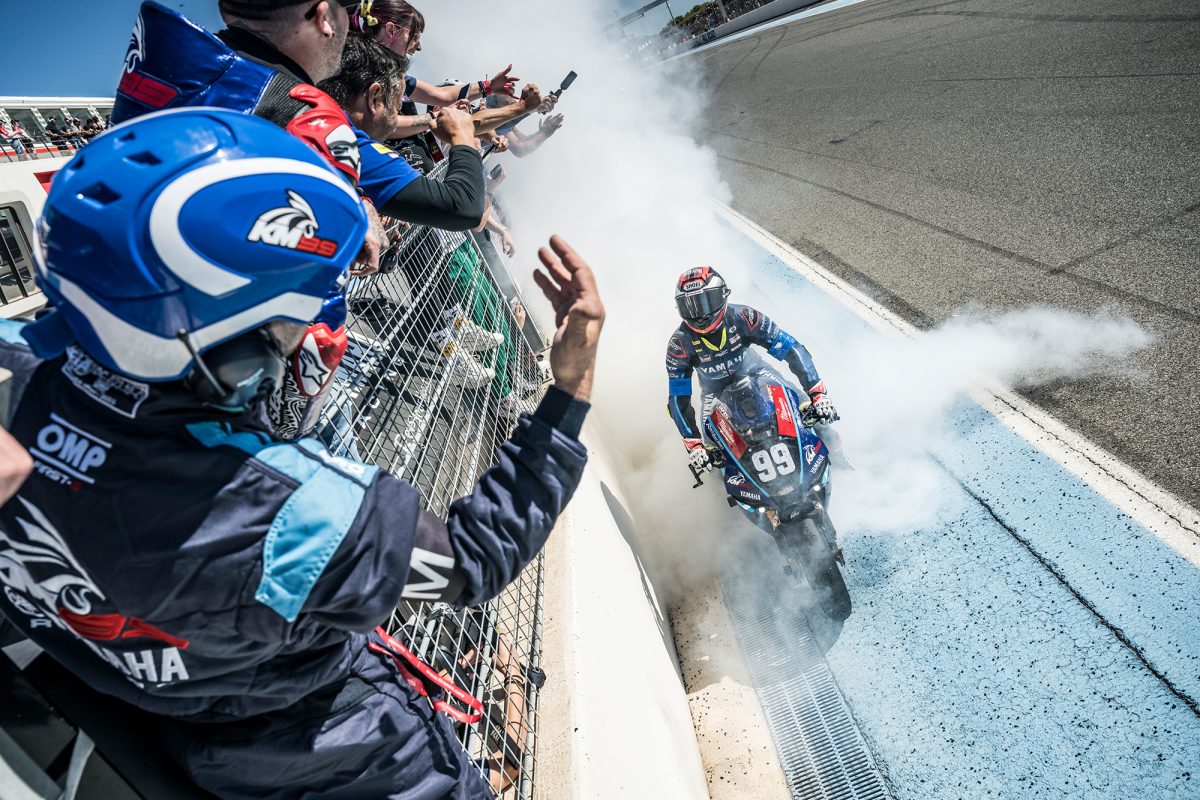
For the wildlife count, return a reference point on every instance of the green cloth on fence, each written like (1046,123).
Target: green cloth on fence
(485,307)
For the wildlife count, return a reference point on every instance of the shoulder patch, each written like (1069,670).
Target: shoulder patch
(675,347)
(751,317)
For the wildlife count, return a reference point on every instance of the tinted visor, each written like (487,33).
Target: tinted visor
(699,305)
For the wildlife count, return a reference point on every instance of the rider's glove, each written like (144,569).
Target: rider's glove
(697,455)
(822,407)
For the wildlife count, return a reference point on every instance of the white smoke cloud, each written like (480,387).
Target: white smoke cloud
(629,185)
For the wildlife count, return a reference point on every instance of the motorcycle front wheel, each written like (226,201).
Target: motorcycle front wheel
(805,549)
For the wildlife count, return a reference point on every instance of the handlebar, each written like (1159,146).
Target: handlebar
(716,460)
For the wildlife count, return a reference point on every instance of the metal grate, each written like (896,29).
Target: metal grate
(412,398)
(821,750)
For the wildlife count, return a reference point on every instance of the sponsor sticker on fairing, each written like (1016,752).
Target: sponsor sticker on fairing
(725,428)
(783,411)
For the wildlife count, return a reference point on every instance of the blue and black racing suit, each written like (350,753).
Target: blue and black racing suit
(723,355)
(188,563)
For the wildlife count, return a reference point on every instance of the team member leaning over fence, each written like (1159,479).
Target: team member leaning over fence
(168,549)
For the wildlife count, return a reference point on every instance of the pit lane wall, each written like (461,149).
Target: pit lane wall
(762,14)
(614,720)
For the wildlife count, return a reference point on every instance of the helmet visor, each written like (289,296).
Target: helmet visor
(702,304)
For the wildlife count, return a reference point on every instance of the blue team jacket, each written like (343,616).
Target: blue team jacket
(188,564)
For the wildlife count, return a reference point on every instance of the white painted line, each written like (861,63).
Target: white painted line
(766,26)
(1173,521)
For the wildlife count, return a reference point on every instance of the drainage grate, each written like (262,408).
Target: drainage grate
(820,748)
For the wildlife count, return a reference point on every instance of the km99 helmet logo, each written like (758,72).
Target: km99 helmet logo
(293,226)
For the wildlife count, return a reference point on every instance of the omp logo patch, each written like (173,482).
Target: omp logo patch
(64,451)
(293,226)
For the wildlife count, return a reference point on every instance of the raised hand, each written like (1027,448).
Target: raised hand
(503,83)
(570,286)
(531,97)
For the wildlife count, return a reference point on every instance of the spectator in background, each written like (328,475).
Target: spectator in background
(107,121)
(92,129)
(55,132)
(10,138)
(369,86)
(396,25)
(521,144)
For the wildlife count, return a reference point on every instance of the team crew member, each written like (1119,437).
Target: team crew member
(714,339)
(264,64)
(168,549)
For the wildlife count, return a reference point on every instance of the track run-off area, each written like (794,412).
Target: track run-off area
(892,162)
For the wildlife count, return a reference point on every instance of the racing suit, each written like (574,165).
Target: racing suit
(188,563)
(722,356)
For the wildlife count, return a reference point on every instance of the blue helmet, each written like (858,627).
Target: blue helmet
(183,230)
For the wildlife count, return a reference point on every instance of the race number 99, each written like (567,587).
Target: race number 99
(772,463)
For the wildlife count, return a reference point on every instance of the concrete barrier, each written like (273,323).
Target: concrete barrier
(768,12)
(614,719)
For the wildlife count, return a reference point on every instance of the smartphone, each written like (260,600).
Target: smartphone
(497,171)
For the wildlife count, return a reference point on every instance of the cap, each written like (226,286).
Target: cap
(251,9)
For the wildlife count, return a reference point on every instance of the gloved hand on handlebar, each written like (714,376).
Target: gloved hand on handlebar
(697,455)
(822,406)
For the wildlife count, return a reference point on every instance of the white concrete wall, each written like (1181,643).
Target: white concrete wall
(614,720)
(769,11)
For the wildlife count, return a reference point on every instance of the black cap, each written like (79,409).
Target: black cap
(255,9)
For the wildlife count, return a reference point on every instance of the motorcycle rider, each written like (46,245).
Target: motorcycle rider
(714,339)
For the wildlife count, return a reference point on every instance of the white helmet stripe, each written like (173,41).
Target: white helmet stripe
(178,256)
(151,357)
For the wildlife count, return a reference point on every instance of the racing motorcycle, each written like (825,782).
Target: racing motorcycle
(776,471)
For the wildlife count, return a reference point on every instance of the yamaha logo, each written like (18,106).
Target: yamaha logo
(293,226)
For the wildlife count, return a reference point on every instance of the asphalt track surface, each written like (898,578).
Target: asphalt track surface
(996,153)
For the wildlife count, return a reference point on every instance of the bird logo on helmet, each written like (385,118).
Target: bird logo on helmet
(701,297)
(157,253)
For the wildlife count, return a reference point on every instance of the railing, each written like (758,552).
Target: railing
(412,398)
(32,146)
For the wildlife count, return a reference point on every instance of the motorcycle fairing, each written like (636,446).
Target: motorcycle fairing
(739,488)
(721,430)
(787,409)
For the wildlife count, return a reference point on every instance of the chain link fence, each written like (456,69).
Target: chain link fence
(440,363)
